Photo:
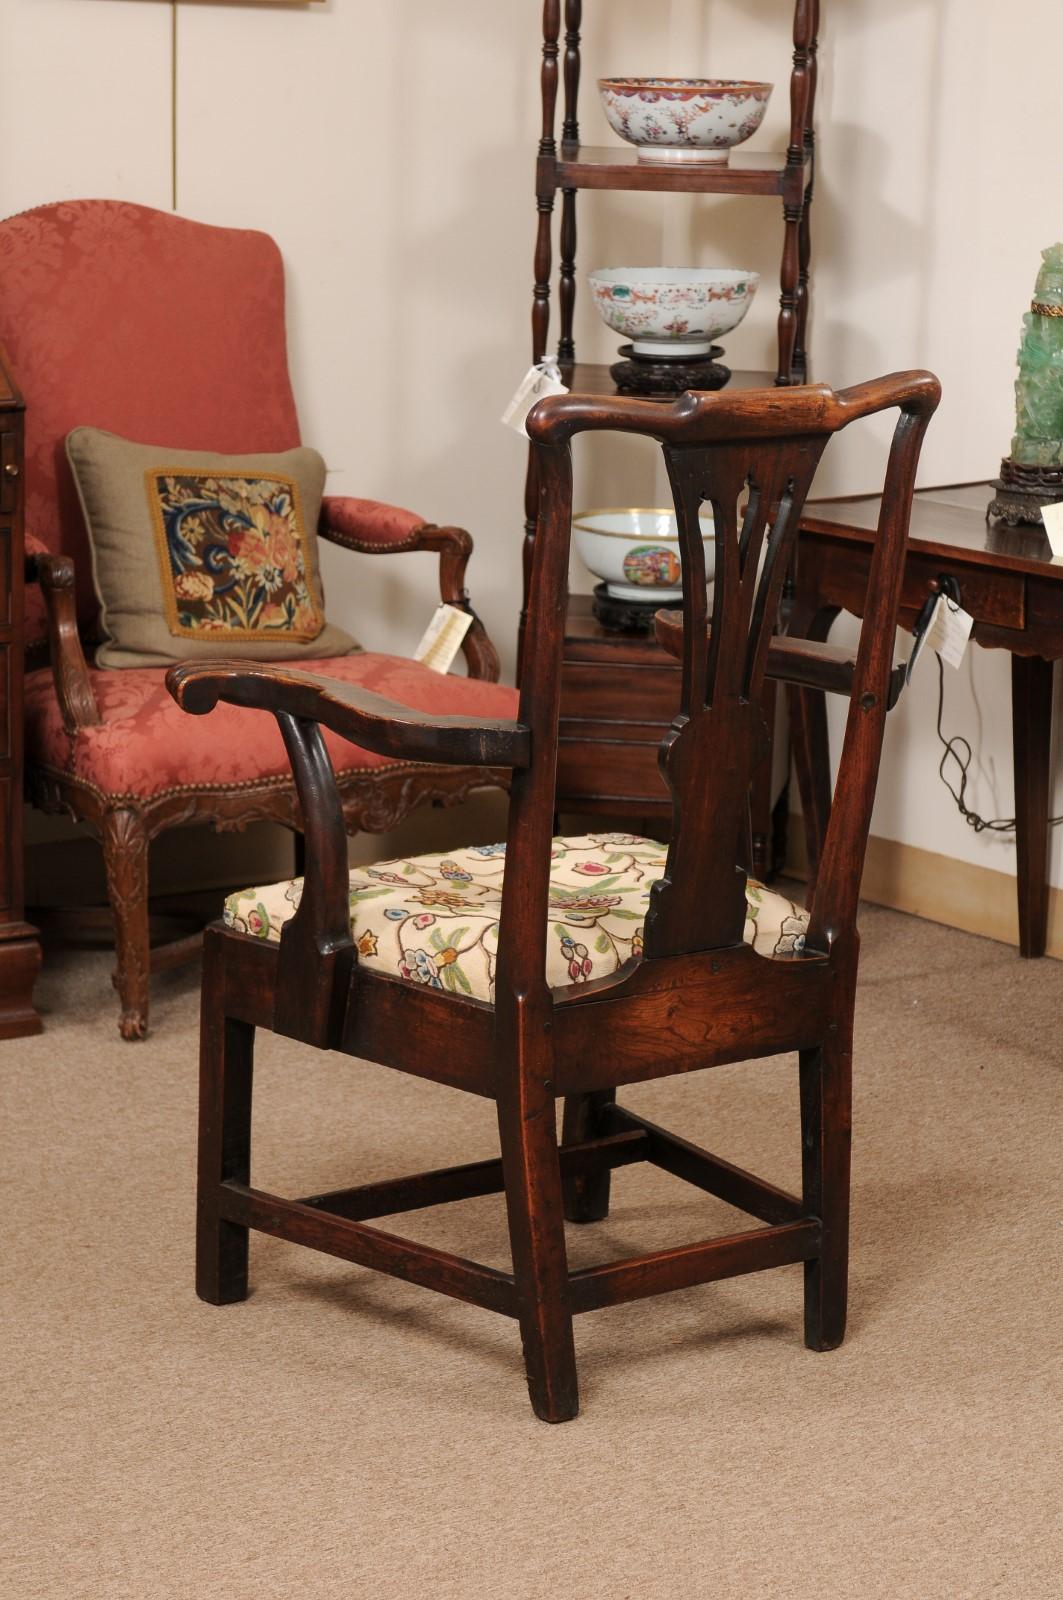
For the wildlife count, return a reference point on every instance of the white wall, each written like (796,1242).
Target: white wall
(388,145)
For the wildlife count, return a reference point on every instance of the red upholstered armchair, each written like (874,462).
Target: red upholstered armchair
(170,332)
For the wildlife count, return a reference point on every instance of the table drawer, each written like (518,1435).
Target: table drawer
(997,598)
(631,694)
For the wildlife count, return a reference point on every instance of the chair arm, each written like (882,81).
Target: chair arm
(367,719)
(805,662)
(73,687)
(372,528)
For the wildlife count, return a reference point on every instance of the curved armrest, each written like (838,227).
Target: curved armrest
(367,719)
(73,687)
(372,528)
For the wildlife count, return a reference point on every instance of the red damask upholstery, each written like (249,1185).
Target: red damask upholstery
(146,747)
(368,522)
(159,329)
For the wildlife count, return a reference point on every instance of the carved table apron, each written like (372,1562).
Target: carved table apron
(1013,589)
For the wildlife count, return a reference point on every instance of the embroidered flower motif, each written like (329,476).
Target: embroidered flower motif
(193,586)
(385,877)
(396,914)
(441,897)
(367,945)
(456,874)
(425,920)
(258,921)
(580,965)
(591,868)
(637,944)
(488,850)
(232,555)
(417,966)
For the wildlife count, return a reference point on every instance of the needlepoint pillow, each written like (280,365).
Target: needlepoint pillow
(197,555)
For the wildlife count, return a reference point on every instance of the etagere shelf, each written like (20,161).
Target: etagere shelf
(618,753)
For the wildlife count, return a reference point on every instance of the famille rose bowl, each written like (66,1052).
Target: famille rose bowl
(684,119)
(636,552)
(672,311)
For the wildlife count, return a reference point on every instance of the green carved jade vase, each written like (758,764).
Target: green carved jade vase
(1032,476)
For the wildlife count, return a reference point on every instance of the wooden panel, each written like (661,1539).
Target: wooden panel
(631,693)
(6,575)
(5,701)
(595,769)
(9,471)
(7,839)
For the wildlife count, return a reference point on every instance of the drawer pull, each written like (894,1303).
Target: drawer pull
(11,470)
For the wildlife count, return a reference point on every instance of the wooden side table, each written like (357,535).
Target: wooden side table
(619,694)
(1014,591)
(20,954)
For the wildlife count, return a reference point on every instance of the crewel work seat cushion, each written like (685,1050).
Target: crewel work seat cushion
(146,746)
(433,919)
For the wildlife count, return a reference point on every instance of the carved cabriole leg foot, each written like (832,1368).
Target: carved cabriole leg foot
(537,1234)
(226,1056)
(586,1198)
(125,859)
(826,1132)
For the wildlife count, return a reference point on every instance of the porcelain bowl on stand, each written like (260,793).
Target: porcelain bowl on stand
(684,119)
(672,311)
(635,552)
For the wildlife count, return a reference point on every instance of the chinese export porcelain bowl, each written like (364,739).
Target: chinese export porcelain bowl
(684,119)
(672,311)
(636,552)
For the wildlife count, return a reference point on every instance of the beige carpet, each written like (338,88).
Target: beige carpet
(345,1435)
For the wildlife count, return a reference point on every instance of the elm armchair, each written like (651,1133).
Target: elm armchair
(570,968)
(168,331)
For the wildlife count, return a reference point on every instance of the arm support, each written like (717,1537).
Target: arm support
(805,662)
(372,528)
(369,720)
(73,687)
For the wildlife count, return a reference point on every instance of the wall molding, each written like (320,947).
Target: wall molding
(938,888)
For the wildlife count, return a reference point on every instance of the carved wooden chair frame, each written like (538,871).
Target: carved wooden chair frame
(372,800)
(697,998)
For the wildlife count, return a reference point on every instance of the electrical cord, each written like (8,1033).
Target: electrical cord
(958,750)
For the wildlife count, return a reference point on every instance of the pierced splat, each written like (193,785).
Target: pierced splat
(719,736)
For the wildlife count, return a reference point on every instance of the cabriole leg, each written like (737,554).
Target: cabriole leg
(125,860)
(225,1073)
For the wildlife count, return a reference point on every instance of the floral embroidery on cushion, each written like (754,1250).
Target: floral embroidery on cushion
(233,555)
(599,894)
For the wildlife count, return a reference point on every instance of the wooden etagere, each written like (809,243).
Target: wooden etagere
(608,756)
(570,166)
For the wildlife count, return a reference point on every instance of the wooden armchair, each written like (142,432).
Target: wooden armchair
(711,968)
(170,332)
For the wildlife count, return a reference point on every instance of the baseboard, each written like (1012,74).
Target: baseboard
(939,888)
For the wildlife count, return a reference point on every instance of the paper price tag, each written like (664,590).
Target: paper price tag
(442,638)
(949,631)
(536,384)
(1052,517)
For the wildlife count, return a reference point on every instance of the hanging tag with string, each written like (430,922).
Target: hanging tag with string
(538,382)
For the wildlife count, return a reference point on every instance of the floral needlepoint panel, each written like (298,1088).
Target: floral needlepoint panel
(233,556)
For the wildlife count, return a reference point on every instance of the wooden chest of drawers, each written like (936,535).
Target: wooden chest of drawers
(19,950)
